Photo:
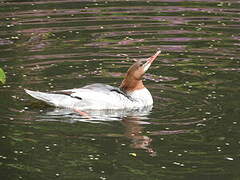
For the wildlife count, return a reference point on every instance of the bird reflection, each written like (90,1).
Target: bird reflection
(134,131)
(133,121)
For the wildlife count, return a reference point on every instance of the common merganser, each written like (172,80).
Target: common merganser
(131,94)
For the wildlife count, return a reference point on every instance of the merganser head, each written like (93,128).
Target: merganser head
(133,79)
(138,69)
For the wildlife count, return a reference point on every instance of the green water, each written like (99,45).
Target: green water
(192,132)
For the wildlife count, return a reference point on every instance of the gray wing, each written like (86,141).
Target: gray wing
(105,88)
(97,87)
(100,87)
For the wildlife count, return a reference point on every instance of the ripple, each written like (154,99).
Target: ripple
(192,130)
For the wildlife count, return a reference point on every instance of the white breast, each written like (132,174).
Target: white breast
(142,97)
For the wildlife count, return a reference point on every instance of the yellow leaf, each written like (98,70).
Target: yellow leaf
(133,154)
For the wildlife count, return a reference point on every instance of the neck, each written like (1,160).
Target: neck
(130,84)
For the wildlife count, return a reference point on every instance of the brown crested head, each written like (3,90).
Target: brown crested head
(133,78)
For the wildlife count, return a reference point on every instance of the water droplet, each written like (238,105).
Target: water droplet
(103,178)
(200,124)
(229,158)
(90,168)
(176,163)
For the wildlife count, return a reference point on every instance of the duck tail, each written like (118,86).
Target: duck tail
(46,97)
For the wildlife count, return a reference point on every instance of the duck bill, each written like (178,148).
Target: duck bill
(153,58)
(150,61)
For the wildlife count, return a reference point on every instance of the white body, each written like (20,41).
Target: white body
(131,95)
(96,96)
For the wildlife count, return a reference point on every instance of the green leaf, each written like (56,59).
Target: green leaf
(2,76)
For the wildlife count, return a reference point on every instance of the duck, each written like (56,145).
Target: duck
(131,94)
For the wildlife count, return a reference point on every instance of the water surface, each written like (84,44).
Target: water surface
(192,131)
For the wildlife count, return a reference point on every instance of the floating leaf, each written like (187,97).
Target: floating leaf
(133,154)
(2,76)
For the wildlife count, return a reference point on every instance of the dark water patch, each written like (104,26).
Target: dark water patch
(192,130)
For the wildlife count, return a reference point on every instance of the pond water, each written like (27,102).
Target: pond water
(193,129)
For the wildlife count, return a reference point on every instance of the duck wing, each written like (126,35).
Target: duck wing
(94,96)
(97,87)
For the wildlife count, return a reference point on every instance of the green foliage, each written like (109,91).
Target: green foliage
(2,76)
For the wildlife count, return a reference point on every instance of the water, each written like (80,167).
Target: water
(192,132)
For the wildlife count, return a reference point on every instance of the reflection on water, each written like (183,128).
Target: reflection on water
(192,131)
(134,131)
(132,120)
(93,116)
